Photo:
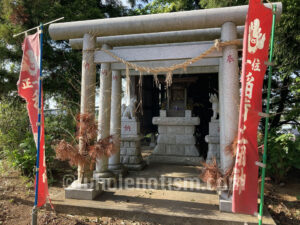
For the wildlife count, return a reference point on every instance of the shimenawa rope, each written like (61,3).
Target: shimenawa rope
(169,70)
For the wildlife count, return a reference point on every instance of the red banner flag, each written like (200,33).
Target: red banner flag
(255,54)
(28,88)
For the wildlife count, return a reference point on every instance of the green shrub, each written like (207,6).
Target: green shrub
(283,154)
(60,126)
(16,140)
(14,124)
(24,157)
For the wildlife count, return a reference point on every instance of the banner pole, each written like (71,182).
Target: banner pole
(24,32)
(267,119)
(34,210)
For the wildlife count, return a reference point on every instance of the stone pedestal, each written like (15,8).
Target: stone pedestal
(176,141)
(130,152)
(213,140)
(87,191)
(225,202)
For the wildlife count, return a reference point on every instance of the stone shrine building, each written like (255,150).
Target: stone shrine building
(193,117)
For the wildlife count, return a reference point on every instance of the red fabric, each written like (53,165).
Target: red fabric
(255,54)
(28,88)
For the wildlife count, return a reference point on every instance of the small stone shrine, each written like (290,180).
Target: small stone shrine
(130,150)
(176,128)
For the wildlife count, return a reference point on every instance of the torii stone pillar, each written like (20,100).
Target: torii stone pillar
(229,95)
(104,115)
(81,188)
(115,122)
(88,85)
(221,110)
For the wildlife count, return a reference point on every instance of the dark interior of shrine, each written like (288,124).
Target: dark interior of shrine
(195,97)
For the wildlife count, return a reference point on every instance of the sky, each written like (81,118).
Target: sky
(125,3)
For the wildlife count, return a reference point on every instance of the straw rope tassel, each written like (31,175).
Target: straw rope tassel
(127,81)
(140,105)
(169,78)
(156,81)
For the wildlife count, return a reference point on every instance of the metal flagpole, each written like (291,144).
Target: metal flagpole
(24,32)
(34,210)
(40,28)
(267,120)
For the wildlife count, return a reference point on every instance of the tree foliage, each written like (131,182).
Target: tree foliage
(164,6)
(221,3)
(16,140)
(286,80)
(283,156)
(62,67)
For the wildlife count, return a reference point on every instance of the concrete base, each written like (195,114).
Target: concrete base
(120,171)
(83,191)
(225,202)
(135,167)
(105,179)
(107,183)
(112,167)
(181,160)
(156,204)
(98,175)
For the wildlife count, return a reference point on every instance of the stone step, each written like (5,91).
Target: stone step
(107,182)
(156,206)
(178,160)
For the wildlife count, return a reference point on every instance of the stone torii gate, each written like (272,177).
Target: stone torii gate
(156,40)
